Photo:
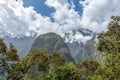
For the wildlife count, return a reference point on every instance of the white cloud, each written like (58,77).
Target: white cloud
(16,20)
(2,1)
(77,37)
(65,15)
(56,3)
(97,13)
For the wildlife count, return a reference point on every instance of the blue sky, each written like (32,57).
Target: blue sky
(78,7)
(41,8)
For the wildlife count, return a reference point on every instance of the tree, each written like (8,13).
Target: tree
(35,62)
(8,58)
(56,59)
(3,59)
(88,68)
(109,69)
(109,41)
(109,45)
(12,53)
(68,71)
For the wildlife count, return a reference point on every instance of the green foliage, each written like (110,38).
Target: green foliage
(40,59)
(56,60)
(8,59)
(109,44)
(109,41)
(97,77)
(36,59)
(110,68)
(37,62)
(88,68)
(68,71)
(3,59)
(12,53)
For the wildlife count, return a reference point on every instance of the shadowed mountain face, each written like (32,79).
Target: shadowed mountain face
(52,42)
(86,52)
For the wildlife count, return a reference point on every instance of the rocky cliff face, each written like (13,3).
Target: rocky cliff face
(86,52)
(52,42)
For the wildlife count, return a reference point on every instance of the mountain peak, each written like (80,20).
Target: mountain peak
(52,42)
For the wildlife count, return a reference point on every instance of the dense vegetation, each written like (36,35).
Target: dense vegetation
(37,65)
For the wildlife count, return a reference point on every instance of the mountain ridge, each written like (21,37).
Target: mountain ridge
(52,42)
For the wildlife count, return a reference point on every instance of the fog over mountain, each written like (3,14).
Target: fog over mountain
(22,45)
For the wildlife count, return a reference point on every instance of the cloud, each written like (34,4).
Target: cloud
(2,1)
(77,36)
(67,18)
(97,13)
(56,3)
(16,20)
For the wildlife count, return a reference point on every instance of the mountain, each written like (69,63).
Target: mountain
(75,47)
(86,52)
(82,50)
(52,42)
(22,44)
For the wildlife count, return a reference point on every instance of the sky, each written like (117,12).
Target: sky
(40,7)
(35,17)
